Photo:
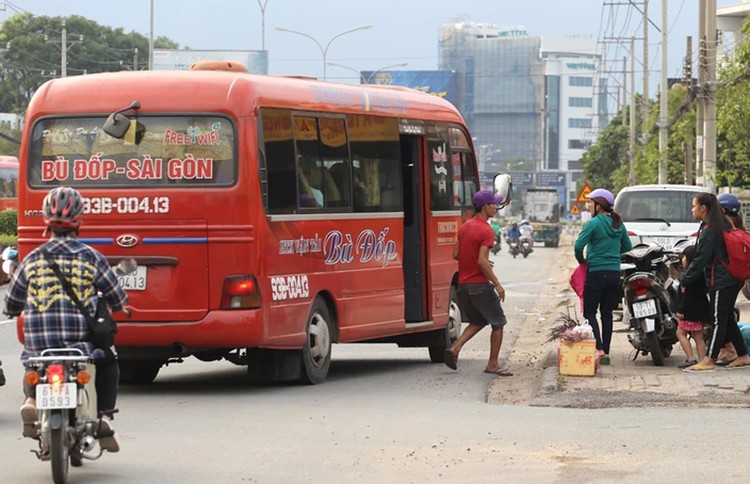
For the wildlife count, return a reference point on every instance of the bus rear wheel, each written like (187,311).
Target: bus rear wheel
(316,353)
(139,372)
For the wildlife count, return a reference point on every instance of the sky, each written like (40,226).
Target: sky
(403,31)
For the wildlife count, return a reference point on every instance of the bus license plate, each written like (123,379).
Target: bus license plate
(644,309)
(134,281)
(51,397)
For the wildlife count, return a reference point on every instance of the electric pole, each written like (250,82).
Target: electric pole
(631,139)
(700,113)
(645,98)
(64,45)
(663,97)
(709,150)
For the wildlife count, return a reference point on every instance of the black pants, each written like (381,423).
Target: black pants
(107,381)
(725,326)
(602,292)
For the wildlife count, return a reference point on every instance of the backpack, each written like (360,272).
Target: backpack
(737,242)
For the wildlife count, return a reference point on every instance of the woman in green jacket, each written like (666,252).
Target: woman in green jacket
(710,257)
(605,238)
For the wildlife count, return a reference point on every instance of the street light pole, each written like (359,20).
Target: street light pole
(359,73)
(151,39)
(374,73)
(324,50)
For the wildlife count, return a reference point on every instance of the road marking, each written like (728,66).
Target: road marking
(8,321)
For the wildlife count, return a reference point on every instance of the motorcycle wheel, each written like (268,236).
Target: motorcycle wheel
(655,349)
(58,448)
(525,255)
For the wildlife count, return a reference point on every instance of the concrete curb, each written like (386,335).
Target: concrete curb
(548,381)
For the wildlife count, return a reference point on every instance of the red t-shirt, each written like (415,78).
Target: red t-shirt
(474,234)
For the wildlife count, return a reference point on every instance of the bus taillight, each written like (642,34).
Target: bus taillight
(240,292)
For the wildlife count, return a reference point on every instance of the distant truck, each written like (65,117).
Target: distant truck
(541,207)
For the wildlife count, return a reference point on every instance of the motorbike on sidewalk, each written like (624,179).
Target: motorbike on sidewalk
(649,296)
(66,429)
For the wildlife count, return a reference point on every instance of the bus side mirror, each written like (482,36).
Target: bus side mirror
(503,186)
(117,124)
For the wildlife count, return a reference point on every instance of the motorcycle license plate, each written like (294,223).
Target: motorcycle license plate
(643,309)
(52,397)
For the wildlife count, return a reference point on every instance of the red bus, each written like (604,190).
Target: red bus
(8,182)
(269,217)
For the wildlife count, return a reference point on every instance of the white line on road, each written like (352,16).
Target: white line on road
(8,321)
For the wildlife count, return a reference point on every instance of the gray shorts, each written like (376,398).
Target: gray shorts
(480,305)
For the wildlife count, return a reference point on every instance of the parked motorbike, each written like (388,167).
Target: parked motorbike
(514,249)
(10,263)
(66,406)
(649,295)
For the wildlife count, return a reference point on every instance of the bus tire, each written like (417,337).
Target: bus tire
(139,372)
(316,353)
(452,329)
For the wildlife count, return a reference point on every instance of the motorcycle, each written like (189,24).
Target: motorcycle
(649,297)
(497,247)
(525,247)
(66,428)
(514,250)
(10,262)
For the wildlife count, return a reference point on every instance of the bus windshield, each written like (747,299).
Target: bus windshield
(190,151)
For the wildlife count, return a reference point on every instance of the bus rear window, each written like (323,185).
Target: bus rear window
(158,151)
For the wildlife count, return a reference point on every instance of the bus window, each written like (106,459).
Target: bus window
(281,195)
(320,143)
(185,151)
(441,191)
(376,163)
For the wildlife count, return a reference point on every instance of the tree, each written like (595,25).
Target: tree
(31,60)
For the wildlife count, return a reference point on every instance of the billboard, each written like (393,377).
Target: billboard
(256,61)
(438,83)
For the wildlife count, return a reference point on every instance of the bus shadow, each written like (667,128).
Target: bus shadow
(232,380)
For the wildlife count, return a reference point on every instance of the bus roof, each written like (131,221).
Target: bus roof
(234,93)
(8,161)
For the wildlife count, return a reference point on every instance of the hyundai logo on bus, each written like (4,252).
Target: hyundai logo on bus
(127,240)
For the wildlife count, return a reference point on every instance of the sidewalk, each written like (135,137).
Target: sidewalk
(624,382)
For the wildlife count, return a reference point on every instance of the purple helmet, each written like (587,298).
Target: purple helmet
(602,197)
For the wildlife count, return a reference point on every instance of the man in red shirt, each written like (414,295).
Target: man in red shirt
(479,291)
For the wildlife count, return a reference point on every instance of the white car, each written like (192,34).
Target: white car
(658,213)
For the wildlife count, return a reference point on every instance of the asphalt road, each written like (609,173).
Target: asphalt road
(384,415)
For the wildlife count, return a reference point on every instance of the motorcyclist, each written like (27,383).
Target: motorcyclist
(513,233)
(527,233)
(495,224)
(51,319)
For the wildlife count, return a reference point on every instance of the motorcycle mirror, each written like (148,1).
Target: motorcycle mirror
(503,186)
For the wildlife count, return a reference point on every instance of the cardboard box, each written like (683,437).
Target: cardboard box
(577,358)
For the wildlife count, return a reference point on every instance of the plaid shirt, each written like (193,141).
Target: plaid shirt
(50,318)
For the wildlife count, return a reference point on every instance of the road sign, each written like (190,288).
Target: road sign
(574,210)
(550,179)
(522,178)
(583,195)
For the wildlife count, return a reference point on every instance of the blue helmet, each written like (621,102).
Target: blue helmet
(730,203)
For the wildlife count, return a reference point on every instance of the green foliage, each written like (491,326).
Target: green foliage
(9,222)
(7,239)
(31,60)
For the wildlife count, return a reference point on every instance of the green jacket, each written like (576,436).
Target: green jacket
(605,244)
(709,255)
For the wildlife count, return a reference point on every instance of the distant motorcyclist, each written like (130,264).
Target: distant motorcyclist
(512,233)
(495,224)
(527,233)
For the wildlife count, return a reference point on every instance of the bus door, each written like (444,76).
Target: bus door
(415,309)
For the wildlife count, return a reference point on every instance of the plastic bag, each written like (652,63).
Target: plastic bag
(578,281)
(580,332)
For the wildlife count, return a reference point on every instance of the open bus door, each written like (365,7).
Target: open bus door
(415,307)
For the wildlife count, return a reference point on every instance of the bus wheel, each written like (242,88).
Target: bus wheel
(139,372)
(452,329)
(316,353)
